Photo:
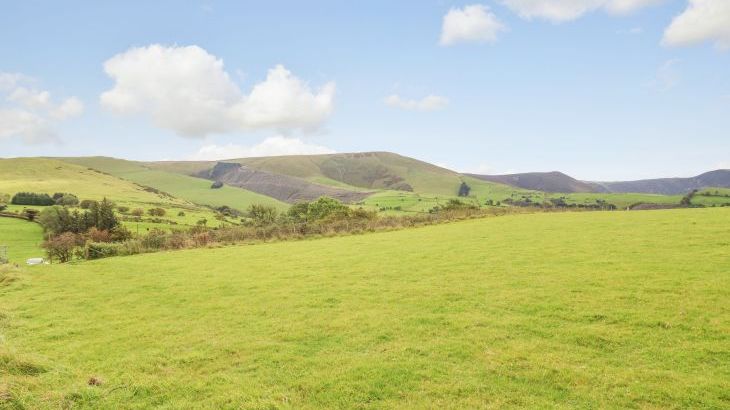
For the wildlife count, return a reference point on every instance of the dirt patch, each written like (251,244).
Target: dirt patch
(282,187)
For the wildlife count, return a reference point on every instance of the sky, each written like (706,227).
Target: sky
(599,89)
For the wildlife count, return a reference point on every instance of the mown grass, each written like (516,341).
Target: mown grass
(22,238)
(566,310)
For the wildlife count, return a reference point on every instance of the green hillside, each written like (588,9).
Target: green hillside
(196,190)
(52,175)
(579,310)
(370,170)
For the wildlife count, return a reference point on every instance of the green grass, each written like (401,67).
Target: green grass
(564,310)
(196,190)
(22,238)
(712,197)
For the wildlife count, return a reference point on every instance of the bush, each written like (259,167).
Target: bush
(98,250)
(464,189)
(156,212)
(123,209)
(86,204)
(181,213)
(65,199)
(60,247)
(216,185)
(137,212)
(3,206)
(32,198)
(262,214)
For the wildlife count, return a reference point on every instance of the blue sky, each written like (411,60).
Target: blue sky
(607,90)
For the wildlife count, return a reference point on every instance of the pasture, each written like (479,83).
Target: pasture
(552,310)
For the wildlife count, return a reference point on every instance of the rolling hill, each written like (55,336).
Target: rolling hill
(195,190)
(672,186)
(542,181)
(354,171)
(558,182)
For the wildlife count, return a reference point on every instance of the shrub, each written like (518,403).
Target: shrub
(65,199)
(86,203)
(262,214)
(60,247)
(123,209)
(3,206)
(31,214)
(155,239)
(181,213)
(156,211)
(137,212)
(464,189)
(32,198)
(98,250)
(216,185)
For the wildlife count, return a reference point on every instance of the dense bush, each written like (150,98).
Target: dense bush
(156,212)
(65,199)
(86,203)
(216,185)
(32,198)
(58,219)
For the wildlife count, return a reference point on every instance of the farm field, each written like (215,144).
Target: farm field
(587,310)
(22,238)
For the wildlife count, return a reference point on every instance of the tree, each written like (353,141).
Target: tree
(464,189)
(67,200)
(262,214)
(326,207)
(32,198)
(60,247)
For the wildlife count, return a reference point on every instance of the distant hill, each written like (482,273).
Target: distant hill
(352,171)
(542,181)
(671,186)
(559,182)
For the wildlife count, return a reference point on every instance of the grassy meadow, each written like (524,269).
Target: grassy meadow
(557,310)
(22,238)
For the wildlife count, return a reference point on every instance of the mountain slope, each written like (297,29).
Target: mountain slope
(542,181)
(282,187)
(367,170)
(671,186)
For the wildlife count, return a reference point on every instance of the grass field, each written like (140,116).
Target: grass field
(22,238)
(564,310)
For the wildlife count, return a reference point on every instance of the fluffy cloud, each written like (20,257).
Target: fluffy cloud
(187,90)
(474,23)
(269,147)
(428,103)
(703,20)
(30,114)
(565,10)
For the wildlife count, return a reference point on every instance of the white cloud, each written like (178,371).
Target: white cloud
(428,103)
(566,10)
(31,114)
(474,23)
(703,20)
(269,147)
(187,90)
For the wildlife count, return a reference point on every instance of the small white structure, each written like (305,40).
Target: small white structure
(34,261)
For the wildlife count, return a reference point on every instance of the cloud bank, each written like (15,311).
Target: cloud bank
(271,146)
(31,114)
(188,91)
